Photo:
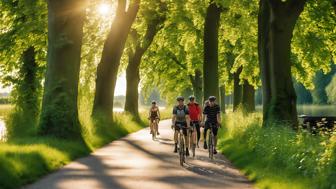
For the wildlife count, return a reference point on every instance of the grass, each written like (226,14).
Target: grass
(5,109)
(24,160)
(277,157)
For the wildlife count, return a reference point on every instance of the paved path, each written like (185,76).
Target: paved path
(137,162)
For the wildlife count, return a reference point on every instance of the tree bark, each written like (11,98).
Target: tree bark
(237,89)
(196,82)
(222,98)
(284,16)
(133,67)
(132,83)
(263,53)
(28,89)
(107,70)
(59,116)
(248,101)
(210,66)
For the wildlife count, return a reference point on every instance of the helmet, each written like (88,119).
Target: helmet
(180,98)
(153,102)
(212,98)
(191,97)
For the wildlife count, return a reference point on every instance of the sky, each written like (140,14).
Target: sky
(120,86)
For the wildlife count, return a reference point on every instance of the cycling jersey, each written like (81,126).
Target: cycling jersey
(194,111)
(181,113)
(211,113)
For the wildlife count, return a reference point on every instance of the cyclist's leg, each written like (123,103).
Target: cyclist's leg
(215,131)
(157,125)
(205,134)
(151,125)
(176,131)
(191,141)
(176,134)
(198,130)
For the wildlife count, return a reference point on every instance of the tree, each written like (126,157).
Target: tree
(331,91)
(210,66)
(59,116)
(141,44)
(22,55)
(279,25)
(321,81)
(107,70)
(237,89)
(248,100)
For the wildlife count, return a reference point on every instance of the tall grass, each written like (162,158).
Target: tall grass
(277,156)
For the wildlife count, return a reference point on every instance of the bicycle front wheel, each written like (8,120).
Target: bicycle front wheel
(211,146)
(181,150)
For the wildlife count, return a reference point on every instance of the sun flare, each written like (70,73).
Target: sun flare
(104,9)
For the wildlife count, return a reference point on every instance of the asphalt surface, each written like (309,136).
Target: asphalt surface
(138,162)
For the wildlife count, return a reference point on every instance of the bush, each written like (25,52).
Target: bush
(277,156)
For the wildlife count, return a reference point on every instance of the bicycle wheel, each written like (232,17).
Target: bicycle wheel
(211,147)
(181,150)
(193,139)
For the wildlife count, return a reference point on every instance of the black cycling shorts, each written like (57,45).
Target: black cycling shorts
(214,128)
(183,124)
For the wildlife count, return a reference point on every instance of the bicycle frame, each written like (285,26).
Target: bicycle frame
(192,138)
(154,127)
(211,141)
(181,144)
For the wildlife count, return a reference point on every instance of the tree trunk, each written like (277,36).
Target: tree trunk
(59,116)
(283,19)
(263,52)
(28,89)
(248,101)
(132,83)
(210,66)
(133,67)
(196,82)
(107,70)
(222,98)
(237,90)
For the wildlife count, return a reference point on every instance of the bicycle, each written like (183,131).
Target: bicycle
(154,126)
(181,144)
(193,138)
(211,140)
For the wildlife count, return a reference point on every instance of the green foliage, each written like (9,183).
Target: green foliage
(278,157)
(321,81)
(313,45)
(22,59)
(331,91)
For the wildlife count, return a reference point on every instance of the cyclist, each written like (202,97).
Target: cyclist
(212,115)
(154,117)
(195,114)
(180,117)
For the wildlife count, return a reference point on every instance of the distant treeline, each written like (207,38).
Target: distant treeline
(4,100)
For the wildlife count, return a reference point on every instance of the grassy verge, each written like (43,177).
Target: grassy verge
(277,157)
(5,109)
(24,160)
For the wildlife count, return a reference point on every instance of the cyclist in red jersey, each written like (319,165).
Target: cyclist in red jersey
(195,114)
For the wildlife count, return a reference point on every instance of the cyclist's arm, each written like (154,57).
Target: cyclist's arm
(200,113)
(174,119)
(158,110)
(219,116)
(188,120)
